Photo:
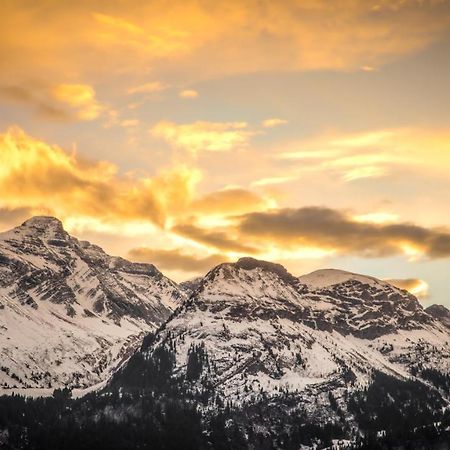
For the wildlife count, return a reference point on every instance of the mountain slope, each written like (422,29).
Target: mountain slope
(70,313)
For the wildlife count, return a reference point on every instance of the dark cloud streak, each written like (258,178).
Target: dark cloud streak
(333,229)
(216,239)
(33,98)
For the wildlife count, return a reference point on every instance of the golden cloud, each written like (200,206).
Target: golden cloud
(272,180)
(188,93)
(373,153)
(38,176)
(34,174)
(204,136)
(270,123)
(417,287)
(81,97)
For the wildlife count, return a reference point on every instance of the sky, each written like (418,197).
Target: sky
(188,133)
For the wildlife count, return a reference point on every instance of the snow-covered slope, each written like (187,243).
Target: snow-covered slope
(70,313)
(258,331)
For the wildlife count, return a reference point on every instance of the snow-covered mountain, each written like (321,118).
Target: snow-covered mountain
(252,331)
(251,357)
(70,313)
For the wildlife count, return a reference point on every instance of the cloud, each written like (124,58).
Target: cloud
(151,34)
(34,174)
(377,217)
(188,93)
(252,36)
(40,104)
(338,232)
(80,97)
(147,88)
(272,180)
(417,287)
(270,123)
(57,102)
(364,172)
(176,259)
(221,240)
(204,136)
(372,153)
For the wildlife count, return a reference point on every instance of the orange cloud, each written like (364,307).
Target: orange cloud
(270,123)
(204,136)
(147,88)
(188,93)
(250,36)
(81,97)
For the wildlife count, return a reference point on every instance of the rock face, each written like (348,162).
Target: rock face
(70,313)
(257,332)
(440,313)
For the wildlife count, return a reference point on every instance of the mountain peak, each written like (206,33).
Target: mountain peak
(248,263)
(324,278)
(44,225)
(438,311)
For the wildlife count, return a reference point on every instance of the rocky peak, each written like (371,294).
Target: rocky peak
(249,289)
(43,222)
(438,311)
(247,270)
(252,263)
(44,227)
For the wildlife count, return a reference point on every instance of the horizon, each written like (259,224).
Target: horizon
(311,134)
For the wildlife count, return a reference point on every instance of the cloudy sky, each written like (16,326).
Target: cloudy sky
(188,133)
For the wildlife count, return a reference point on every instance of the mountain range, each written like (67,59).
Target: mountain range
(256,354)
